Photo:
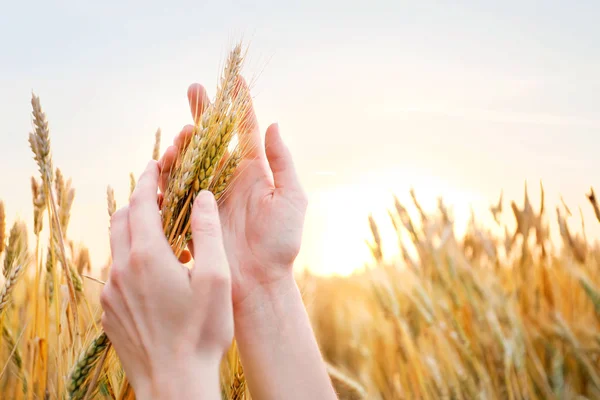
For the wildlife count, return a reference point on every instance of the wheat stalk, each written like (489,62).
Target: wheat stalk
(65,195)
(345,385)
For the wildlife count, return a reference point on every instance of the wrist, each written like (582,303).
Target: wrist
(277,345)
(181,379)
(266,296)
(269,311)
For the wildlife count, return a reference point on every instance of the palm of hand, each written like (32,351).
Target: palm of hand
(262,213)
(262,228)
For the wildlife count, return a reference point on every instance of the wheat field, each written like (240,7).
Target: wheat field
(479,316)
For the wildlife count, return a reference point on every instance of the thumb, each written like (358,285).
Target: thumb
(209,252)
(280,161)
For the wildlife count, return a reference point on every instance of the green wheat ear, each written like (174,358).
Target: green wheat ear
(81,372)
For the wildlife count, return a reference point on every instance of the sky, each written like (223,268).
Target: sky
(460,99)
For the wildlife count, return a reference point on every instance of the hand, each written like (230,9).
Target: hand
(167,322)
(262,217)
(263,214)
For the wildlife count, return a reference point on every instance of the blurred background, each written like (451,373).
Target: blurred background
(373,98)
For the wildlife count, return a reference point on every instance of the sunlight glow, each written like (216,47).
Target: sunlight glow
(337,225)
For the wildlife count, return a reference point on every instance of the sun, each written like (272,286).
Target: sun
(336,223)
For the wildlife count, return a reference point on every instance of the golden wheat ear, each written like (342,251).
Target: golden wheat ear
(111,204)
(39,141)
(156,149)
(131,184)
(9,286)
(211,157)
(2,227)
(16,250)
(594,202)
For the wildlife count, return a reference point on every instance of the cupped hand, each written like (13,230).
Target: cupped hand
(163,319)
(263,212)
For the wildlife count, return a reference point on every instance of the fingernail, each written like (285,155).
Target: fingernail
(206,201)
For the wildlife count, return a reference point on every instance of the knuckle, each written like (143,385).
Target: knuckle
(213,284)
(139,255)
(115,275)
(217,273)
(219,279)
(115,279)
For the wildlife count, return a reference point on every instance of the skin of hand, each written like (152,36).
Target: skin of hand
(169,325)
(263,213)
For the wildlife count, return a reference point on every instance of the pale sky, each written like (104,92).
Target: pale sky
(371,97)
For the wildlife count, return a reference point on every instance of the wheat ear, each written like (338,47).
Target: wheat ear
(237,390)
(203,155)
(16,358)
(80,374)
(594,201)
(9,286)
(2,227)
(84,263)
(17,247)
(39,141)
(131,184)
(156,149)
(65,195)
(39,205)
(224,177)
(110,200)
(10,343)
